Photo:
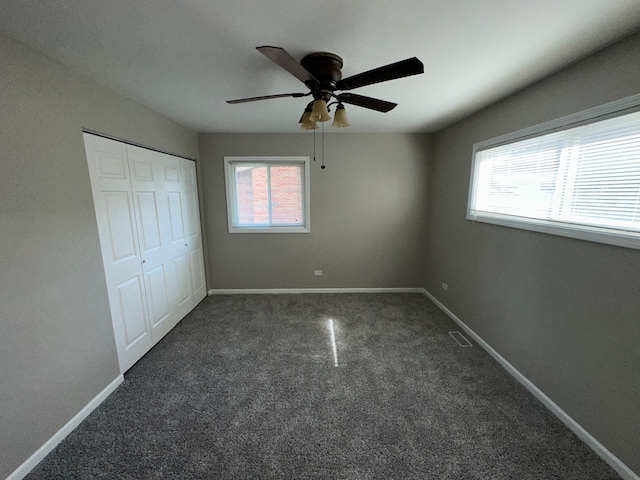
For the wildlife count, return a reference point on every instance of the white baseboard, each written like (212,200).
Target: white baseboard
(615,463)
(53,442)
(233,291)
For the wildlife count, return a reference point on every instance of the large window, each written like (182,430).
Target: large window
(578,176)
(267,194)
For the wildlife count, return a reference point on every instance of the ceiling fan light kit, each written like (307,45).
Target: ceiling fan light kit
(306,123)
(319,111)
(340,119)
(321,72)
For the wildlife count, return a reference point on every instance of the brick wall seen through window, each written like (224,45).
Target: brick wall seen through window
(253,195)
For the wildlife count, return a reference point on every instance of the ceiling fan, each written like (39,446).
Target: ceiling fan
(321,73)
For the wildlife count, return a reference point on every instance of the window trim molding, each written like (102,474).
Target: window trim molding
(582,232)
(231,193)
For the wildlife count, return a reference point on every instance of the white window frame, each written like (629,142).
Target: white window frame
(230,187)
(572,230)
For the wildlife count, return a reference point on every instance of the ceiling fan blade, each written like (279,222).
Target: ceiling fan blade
(403,68)
(281,57)
(267,97)
(366,102)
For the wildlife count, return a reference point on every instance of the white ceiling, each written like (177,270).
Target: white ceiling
(185,58)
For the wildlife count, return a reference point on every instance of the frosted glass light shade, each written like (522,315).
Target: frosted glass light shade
(319,111)
(307,123)
(340,119)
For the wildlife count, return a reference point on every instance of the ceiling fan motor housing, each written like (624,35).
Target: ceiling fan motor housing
(326,68)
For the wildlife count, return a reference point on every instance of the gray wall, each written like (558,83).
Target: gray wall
(56,341)
(564,312)
(367,214)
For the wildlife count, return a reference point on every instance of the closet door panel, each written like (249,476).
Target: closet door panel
(158,295)
(117,227)
(131,303)
(193,230)
(197,273)
(154,226)
(194,242)
(191,207)
(178,228)
(181,264)
(174,203)
(149,230)
(150,210)
(121,226)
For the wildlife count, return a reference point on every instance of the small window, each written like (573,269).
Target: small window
(577,177)
(267,194)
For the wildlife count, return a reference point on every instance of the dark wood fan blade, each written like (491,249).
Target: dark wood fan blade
(404,68)
(281,57)
(366,102)
(267,97)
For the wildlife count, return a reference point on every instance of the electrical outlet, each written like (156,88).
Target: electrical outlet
(445,287)
(317,273)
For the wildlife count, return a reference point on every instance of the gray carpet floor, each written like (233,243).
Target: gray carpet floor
(246,386)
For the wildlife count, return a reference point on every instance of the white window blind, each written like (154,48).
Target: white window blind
(580,181)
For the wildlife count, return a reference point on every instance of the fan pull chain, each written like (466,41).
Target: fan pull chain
(322,166)
(314,144)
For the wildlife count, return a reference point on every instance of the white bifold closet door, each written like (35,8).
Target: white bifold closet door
(148,219)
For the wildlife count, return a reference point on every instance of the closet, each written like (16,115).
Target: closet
(146,205)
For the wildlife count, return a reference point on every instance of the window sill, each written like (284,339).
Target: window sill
(269,230)
(591,234)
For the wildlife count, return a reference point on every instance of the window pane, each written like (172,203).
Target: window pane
(267,194)
(584,178)
(253,195)
(286,195)
(519,181)
(606,190)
